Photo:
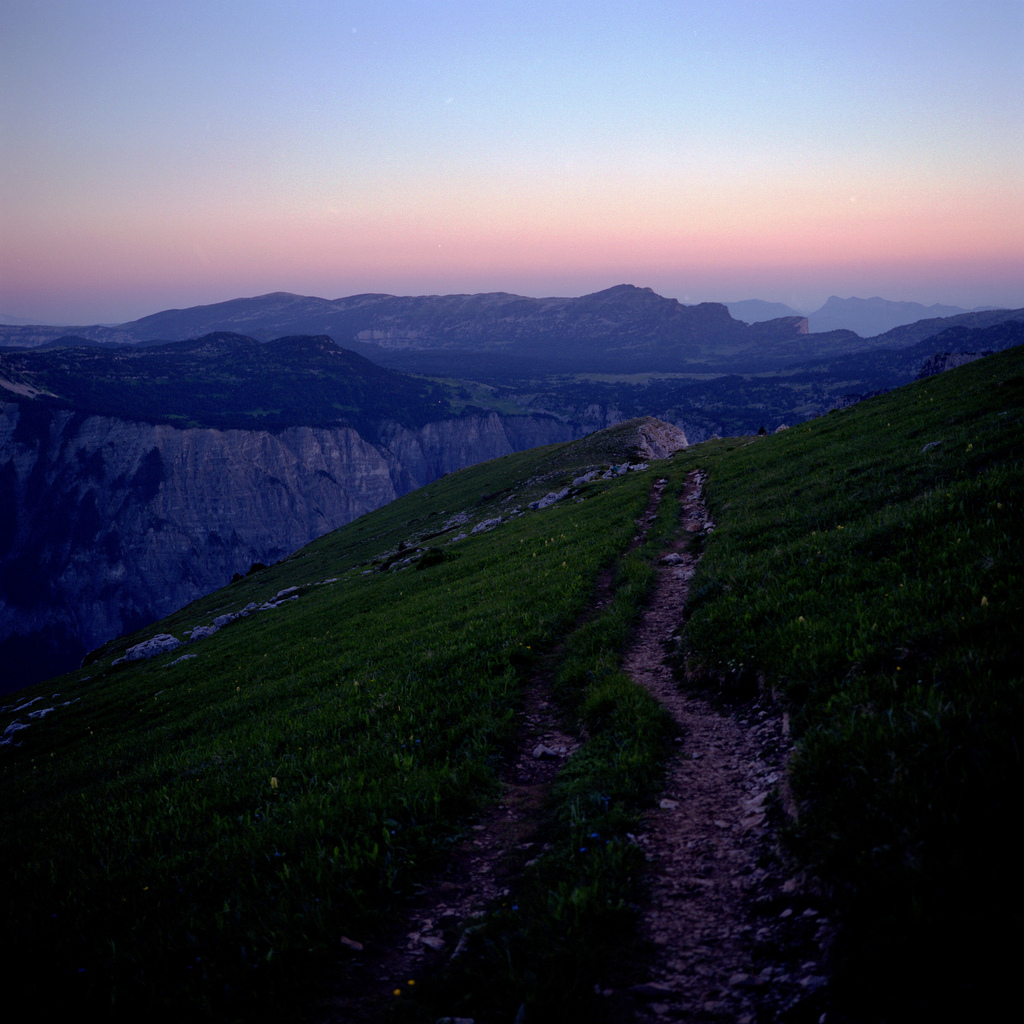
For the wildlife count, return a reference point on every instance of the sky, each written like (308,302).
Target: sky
(166,154)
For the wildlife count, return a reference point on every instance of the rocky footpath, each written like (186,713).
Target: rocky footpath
(732,931)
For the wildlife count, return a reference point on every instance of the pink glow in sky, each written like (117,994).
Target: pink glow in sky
(165,155)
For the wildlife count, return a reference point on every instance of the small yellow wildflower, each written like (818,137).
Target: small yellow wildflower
(397,992)
(984,602)
(273,782)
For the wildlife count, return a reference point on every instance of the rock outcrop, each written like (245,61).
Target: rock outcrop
(106,524)
(658,439)
(942,361)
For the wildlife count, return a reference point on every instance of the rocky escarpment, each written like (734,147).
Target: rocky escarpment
(107,524)
(942,361)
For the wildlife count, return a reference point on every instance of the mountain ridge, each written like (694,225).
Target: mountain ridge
(624,328)
(874,316)
(622,324)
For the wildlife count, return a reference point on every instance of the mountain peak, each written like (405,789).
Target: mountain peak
(619,292)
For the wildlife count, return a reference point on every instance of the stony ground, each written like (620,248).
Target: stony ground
(730,933)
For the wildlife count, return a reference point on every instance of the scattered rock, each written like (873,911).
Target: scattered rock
(159,644)
(550,498)
(487,524)
(8,738)
(650,990)
(201,633)
(813,982)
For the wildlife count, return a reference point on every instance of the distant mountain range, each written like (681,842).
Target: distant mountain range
(624,329)
(15,321)
(753,311)
(866,317)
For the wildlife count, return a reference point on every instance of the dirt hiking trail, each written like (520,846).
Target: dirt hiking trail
(729,934)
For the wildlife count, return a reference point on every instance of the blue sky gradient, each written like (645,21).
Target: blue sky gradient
(158,155)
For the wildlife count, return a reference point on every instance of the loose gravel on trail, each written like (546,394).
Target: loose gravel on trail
(729,935)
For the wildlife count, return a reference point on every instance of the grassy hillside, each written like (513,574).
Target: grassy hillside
(869,567)
(197,836)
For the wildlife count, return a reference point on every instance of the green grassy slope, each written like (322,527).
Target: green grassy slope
(195,837)
(869,566)
(874,582)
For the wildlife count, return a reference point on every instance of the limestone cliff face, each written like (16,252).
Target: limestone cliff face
(107,524)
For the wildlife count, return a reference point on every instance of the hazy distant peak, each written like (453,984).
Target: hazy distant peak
(19,321)
(754,311)
(874,316)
